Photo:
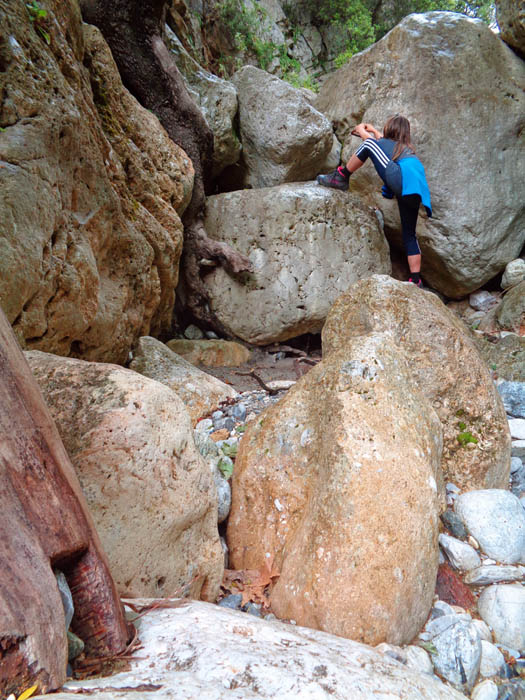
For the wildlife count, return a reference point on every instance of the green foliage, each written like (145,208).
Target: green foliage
(246,26)
(229,450)
(37,17)
(465,437)
(226,467)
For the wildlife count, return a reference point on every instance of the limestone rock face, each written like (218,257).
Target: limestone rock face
(446,367)
(472,156)
(150,493)
(307,244)
(266,660)
(217,99)
(200,392)
(90,194)
(284,138)
(511,21)
(340,481)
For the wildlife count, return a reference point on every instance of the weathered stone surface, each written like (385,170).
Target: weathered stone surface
(151,494)
(90,195)
(511,311)
(502,607)
(511,21)
(217,99)
(465,244)
(514,273)
(444,362)
(339,480)
(184,655)
(210,353)
(497,520)
(200,392)
(307,245)
(284,138)
(506,356)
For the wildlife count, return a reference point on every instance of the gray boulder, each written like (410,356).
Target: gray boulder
(307,245)
(284,138)
(445,59)
(514,273)
(217,100)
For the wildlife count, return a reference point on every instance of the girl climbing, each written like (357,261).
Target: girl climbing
(393,156)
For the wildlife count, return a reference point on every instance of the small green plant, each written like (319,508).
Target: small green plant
(37,17)
(465,437)
(462,426)
(226,467)
(229,450)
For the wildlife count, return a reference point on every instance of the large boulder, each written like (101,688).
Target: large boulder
(284,138)
(91,194)
(445,365)
(340,484)
(150,493)
(200,392)
(217,100)
(307,245)
(210,653)
(511,21)
(472,156)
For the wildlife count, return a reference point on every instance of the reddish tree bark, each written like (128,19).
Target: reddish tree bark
(134,30)
(45,523)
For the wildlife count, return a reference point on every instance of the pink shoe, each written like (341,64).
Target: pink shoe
(418,284)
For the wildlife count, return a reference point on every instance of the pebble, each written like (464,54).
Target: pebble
(496,519)
(418,659)
(487,690)
(502,607)
(483,630)
(252,609)
(75,646)
(216,415)
(239,412)
(441,608)
(452,488)
(491,659)
(224,494)
(512,690)
(453,523)
(67,598)
(461,555)
(518,449)
(232,601)
(455,640)
(193,333)
(486,575)
(513,274)
(482,300)
(204,425)
(473,542)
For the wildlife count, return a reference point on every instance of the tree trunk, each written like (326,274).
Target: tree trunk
(134,30)
(44,524)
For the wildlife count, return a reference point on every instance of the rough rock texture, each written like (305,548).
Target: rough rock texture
(506,356)
(509,314)
(472,156)
(307,245)
(445,365)
(184,655)
(511,20)
(339,481)
(91,189)
(514,273)
(200,392)
(210,353)
(217,99)
(150,492)
(284,138)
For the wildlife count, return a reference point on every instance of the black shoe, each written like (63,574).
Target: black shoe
(334,180)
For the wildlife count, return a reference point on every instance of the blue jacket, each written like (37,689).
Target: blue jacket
(414,180)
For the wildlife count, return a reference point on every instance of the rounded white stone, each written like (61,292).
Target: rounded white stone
(491,659)
(502,607)
(487,690)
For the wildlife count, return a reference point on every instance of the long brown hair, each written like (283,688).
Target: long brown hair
(397,128)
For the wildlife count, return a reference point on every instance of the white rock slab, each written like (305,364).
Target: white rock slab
(202,652)
(458,648)
(486,575)
(491,659)
(496,519)
(502,607)
(461,555)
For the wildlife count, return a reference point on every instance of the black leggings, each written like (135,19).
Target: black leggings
(408,211)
